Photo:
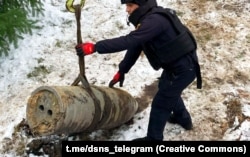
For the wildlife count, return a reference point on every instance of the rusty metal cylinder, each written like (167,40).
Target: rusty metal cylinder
(72,109)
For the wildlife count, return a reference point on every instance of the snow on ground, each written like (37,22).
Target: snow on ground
(220,111)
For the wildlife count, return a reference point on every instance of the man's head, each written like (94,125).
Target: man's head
(131,5)
(137,8)
(138,2)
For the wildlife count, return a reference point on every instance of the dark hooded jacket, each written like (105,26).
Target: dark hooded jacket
(153,30)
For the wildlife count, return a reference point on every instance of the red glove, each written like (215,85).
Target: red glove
(85,49)
(119,77)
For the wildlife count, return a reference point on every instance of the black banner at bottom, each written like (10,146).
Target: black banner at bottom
(73,148)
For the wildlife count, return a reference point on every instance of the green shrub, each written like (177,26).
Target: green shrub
(15,21)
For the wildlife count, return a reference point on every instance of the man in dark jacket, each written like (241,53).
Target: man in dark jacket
(168,45)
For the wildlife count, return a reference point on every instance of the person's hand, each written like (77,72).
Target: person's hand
(119,77)
(85,49)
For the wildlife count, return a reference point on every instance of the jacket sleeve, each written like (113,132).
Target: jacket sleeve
(116,44)
(150,28)
(129,59)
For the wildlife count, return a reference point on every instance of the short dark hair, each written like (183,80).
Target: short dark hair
(139,2)
(127,1)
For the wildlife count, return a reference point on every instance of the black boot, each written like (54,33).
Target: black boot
(186,123)
(144,139)
(141,139)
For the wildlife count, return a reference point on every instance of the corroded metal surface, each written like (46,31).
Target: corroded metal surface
(71,109)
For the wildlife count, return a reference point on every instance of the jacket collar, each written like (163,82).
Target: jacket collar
(140,12)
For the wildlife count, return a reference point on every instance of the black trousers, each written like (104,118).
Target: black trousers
(168,98)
